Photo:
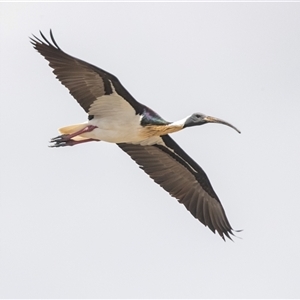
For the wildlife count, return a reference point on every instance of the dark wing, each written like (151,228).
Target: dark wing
(85,82)
(169,166)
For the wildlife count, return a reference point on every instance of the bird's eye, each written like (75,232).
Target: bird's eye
(198,116)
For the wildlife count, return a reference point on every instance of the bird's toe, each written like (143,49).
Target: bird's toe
(60,138)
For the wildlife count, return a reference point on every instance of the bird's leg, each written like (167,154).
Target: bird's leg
(66,139)
(72,143)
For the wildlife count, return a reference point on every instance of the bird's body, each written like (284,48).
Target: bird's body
(117,122)
(115,116)
(117,130)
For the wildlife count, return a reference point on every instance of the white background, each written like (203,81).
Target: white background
(84,221)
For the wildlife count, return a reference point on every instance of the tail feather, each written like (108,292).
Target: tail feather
(73,128)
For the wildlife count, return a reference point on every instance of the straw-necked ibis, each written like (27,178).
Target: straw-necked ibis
(115,116)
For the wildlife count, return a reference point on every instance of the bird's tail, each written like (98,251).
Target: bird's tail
(72,129)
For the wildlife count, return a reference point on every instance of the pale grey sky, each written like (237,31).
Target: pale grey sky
(84,221)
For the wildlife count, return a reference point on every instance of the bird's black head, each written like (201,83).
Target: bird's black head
(200,119)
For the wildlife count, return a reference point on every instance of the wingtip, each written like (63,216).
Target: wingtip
(34,40)
(232,234)
(229,234)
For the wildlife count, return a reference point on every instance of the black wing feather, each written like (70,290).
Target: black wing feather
(169,166)
(85,82)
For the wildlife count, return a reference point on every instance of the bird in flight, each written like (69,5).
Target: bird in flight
(114,116)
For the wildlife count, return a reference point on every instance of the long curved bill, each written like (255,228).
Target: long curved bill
(216,120)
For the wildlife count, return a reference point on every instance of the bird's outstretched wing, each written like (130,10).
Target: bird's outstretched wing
(170,167)
(86,82)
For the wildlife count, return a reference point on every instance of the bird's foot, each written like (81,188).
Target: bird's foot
(62,141)
(66,139)
(61,138)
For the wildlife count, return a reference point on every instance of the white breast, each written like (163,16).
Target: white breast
(113,130)
(116,120)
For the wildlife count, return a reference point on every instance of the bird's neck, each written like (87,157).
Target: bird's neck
(179,123)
